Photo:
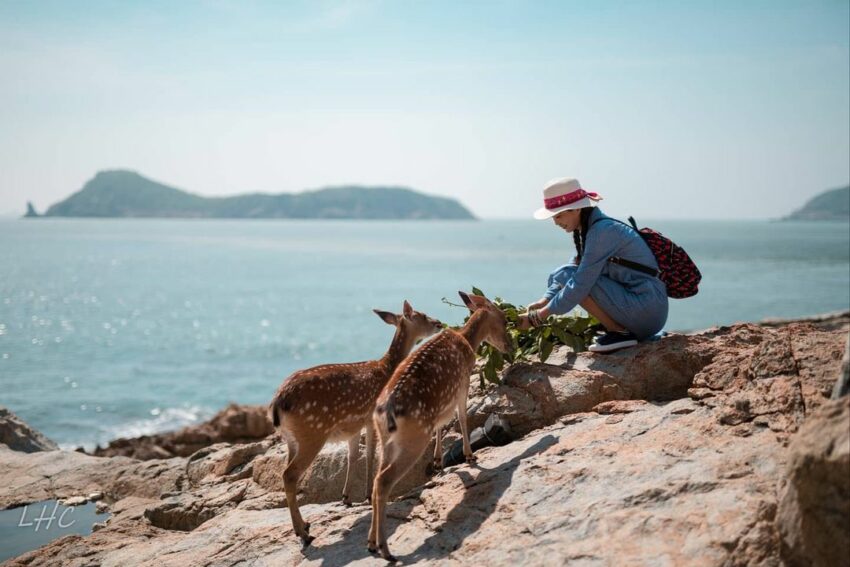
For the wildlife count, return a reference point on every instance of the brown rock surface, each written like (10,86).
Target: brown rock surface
(814,512)
(18,436)
(609,471)
(26,478)
(754,375)
(658,487)
(234,424)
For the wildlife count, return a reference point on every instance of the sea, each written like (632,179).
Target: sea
(125,327)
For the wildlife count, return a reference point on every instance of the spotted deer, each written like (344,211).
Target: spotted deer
(425,391)
(334,402)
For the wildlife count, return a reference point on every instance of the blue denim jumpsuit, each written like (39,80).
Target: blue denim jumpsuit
(632,298)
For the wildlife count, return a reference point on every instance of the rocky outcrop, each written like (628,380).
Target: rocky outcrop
(18,436)
(663,484)
(814,512)
(675,452)
(234,424)
(754,375)
(27,478)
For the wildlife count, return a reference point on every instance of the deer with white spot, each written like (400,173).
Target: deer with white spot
(335,402)
(426,390)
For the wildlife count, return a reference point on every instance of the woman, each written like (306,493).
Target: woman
(630,304)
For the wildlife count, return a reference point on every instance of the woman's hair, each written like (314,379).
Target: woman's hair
(580,233)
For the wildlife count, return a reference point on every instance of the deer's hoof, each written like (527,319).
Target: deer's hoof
(306,541)
(471,459)
(346,501)
(385,553)
(373,549)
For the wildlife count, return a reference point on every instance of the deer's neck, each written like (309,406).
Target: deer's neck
(474,331)
(400,347)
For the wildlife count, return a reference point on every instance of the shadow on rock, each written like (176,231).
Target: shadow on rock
(479,501)
(351,546)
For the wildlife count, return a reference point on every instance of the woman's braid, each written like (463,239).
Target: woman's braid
(580,234)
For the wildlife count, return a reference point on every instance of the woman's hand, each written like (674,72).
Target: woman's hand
(538,304)
(524,324)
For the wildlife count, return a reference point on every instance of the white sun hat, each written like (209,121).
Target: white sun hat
(564,194)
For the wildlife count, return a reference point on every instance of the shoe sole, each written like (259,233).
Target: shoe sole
(613,347)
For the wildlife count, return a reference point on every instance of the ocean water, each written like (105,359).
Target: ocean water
(127,326)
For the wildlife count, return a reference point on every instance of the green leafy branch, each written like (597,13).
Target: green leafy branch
(573,331)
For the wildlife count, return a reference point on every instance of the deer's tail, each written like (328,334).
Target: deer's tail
(389,408)
(279,404)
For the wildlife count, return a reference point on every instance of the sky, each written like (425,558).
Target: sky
(678,109)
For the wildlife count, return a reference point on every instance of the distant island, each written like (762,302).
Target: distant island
(829,205)
(122,193)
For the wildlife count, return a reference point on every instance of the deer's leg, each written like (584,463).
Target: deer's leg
(301,455)
(438,446)
(387,456)
(462,419)
(370,459)
(353,453)
(410,447)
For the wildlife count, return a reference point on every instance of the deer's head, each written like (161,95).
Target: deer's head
(495,324)
(416,324)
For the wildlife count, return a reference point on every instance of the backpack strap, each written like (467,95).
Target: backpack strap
(622,261)
(634,265)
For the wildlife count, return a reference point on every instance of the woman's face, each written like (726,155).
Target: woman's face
(568,220)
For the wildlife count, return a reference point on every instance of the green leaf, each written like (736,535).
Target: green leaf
(476,291)
(498,359)
(580,325)
(490,374)
(546,347)
(560,335)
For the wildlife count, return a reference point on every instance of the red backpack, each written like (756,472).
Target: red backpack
(675,267)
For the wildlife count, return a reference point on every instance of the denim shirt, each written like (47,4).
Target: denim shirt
(607,237)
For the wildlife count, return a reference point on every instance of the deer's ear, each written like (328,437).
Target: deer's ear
(407,309)
(467,300)
(386,316)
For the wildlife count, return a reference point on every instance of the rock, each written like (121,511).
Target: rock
(234,424)
(19,436)
(188,510)
(224,460)
(769,377)
(95,496)
(842,385)
(625,406)
(26,478)
(814,513)
(73,501)
(762,376)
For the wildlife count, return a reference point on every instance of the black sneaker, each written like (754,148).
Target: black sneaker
(612,341)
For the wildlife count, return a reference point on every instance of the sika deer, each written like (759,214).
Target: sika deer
(335,402)
(423,393)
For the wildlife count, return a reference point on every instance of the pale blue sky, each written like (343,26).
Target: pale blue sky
(669,109)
